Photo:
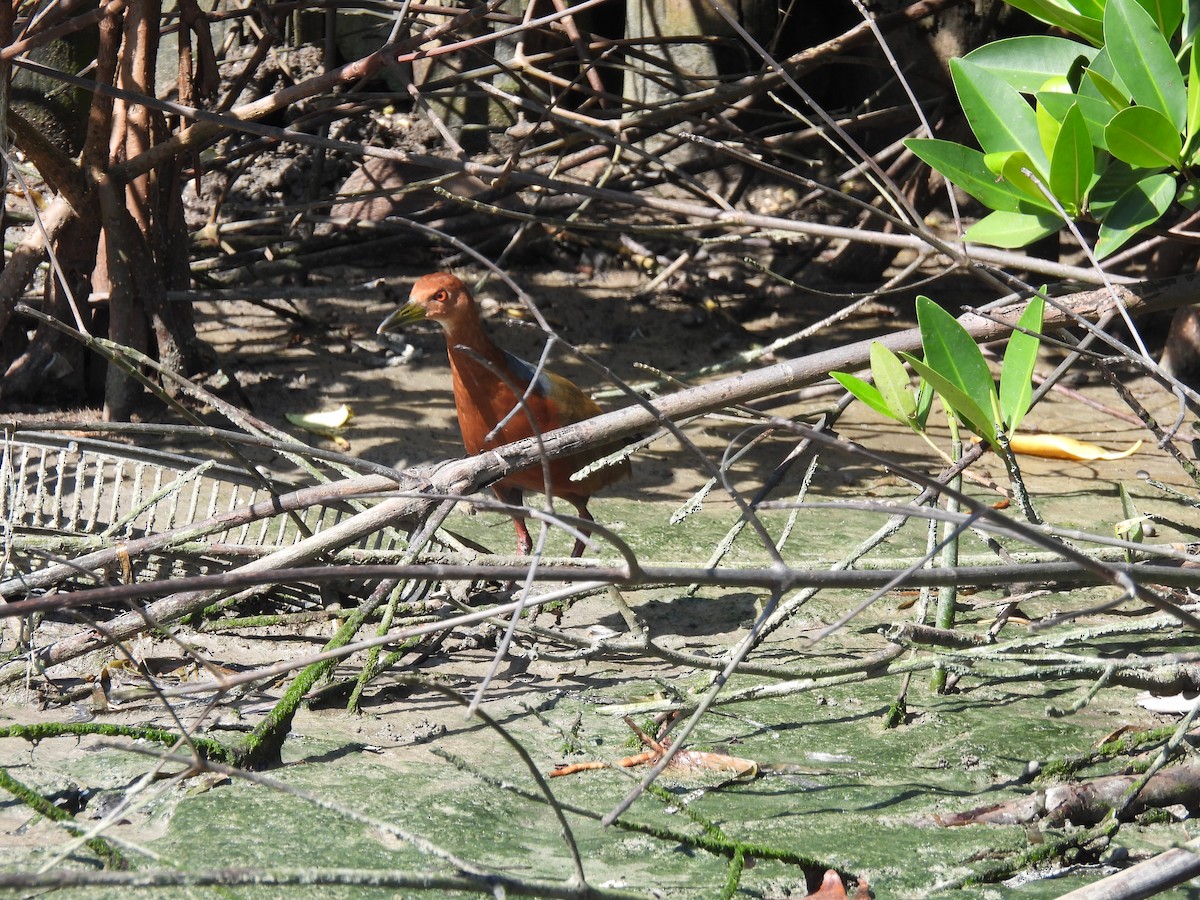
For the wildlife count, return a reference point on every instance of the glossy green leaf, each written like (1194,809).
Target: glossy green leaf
(1049,118)
(924,404)
(894,382)
(964,167)
(1144,60)
(1027,63)
(1012,166)
(1072,162)
(1193,108)
(1189,196)
(1000,117)
(953,353)
(1092,9)
(960,403)
(1167,14)
(1128,508)
(1144,138)
(1102,66)
(1115,178)
(866,392)
(1049,125)
(1016,373)
(1085,21)
(1132,526)
(1096,112)
(1138,208)
(1106,90)
(1060,84)
(1011,230)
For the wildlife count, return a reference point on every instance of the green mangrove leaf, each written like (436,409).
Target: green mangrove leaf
(1115,178)
(960,404)
(1133,526)
(1011,165)
(1142,57)
(1189,196)
(1143,137)
(999,116)
(1049,127)
(1027,63)
(1072,162)
(893,382)
(1011,230)
(866,392)
(924,404)
(1096,112)
(953,353)
(1106,90)
(1138,208)
(1016,373)
(1128,508)
(964,167)
(1083,18)
(1167,14)
(1049,118)
(1193,109)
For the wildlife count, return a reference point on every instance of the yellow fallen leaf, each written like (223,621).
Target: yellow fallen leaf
(327,423)
(1059,446)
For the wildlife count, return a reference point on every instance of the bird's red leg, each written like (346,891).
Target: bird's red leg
(581,505)
(515,497)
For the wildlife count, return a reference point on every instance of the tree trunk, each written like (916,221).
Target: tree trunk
(118,247)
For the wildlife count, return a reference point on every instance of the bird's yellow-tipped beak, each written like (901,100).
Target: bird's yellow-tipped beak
(407,314)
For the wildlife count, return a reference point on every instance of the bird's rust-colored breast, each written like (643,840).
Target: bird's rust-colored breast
(483,400)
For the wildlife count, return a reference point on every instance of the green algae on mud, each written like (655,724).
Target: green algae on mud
(839,787)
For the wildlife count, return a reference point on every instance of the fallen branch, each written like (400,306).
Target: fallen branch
(1146,879)
(1085,803)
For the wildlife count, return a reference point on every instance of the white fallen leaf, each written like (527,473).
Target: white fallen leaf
(1176,704)
(327,423)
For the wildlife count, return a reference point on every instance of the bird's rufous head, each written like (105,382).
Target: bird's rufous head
(440,297)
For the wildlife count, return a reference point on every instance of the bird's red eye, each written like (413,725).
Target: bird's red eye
(441,296)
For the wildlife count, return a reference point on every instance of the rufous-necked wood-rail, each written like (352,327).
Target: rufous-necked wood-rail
(484,377)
